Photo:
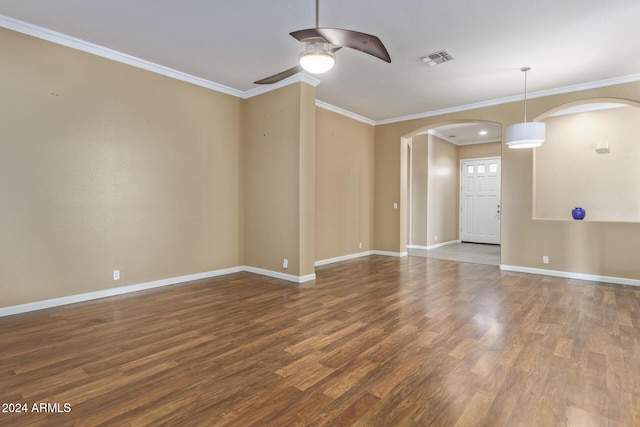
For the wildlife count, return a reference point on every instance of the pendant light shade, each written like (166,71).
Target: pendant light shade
(317,58)
(526,134)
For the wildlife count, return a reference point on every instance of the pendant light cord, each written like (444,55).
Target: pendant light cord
(525,69)
(317,13)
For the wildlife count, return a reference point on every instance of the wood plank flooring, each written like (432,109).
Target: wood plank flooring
(376,341)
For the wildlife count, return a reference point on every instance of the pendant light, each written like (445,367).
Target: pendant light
(525,134)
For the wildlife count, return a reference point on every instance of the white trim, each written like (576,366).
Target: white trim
(571,275)
(490,103)
(450,242)
(585,108)
(344,112)
(84,46)
(296,78)
(393,254)
(278,275)
(114,55)
(72,299)
(342,258)
(483,141)
(94,49)
(440,135)
(417,247)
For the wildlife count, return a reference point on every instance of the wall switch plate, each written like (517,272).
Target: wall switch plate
(395,206)
(545,259)
(116,274)
(360,245)
(285,263)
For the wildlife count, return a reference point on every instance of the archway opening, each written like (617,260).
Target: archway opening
(430,216)
(589,160)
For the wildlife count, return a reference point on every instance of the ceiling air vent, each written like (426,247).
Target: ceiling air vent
(439,57)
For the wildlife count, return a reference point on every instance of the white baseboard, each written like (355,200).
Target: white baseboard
(571,275)
(342,258)
(359,255)
(393,254)
(104,293)
(278,275)
(72,299)
(418,247)
(450,242)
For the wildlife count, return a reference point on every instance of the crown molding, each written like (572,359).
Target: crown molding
(344,112)
(84,46)
(586,108)
(441,136)
(484,141)
(94,49)
(548,92)
(296,78)
(444,137)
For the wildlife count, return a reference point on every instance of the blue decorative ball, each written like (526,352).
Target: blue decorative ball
(578,213)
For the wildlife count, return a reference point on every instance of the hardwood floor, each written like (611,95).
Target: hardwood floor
(373,341)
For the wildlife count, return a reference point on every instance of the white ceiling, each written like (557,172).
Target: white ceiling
(469,133)
(233,43)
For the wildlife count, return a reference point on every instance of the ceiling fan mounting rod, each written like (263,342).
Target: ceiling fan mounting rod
(321,45)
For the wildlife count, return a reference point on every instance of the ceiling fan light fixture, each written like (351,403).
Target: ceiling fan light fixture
(317,58)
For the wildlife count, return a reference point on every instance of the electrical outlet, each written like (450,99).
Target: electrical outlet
(545,259)
(116,274)
(285,263)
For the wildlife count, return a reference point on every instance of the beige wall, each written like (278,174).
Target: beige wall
(344,185)
(443,194)
(387,190)
(568,171)
(591,248)
(104,166)
(279,159)
(434,187)
(307,187)
(419,187)
(434,191)
(478,151)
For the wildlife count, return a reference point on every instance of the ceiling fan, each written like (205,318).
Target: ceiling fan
(322,43)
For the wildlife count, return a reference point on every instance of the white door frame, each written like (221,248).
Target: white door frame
(493,239)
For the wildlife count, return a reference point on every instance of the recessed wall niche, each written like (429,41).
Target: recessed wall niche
(590,159)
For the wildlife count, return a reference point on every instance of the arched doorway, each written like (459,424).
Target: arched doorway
(434,155)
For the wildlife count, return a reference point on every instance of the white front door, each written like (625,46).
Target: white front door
(480,200)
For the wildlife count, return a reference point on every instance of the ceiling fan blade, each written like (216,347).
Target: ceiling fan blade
(363,42)
(280,76)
